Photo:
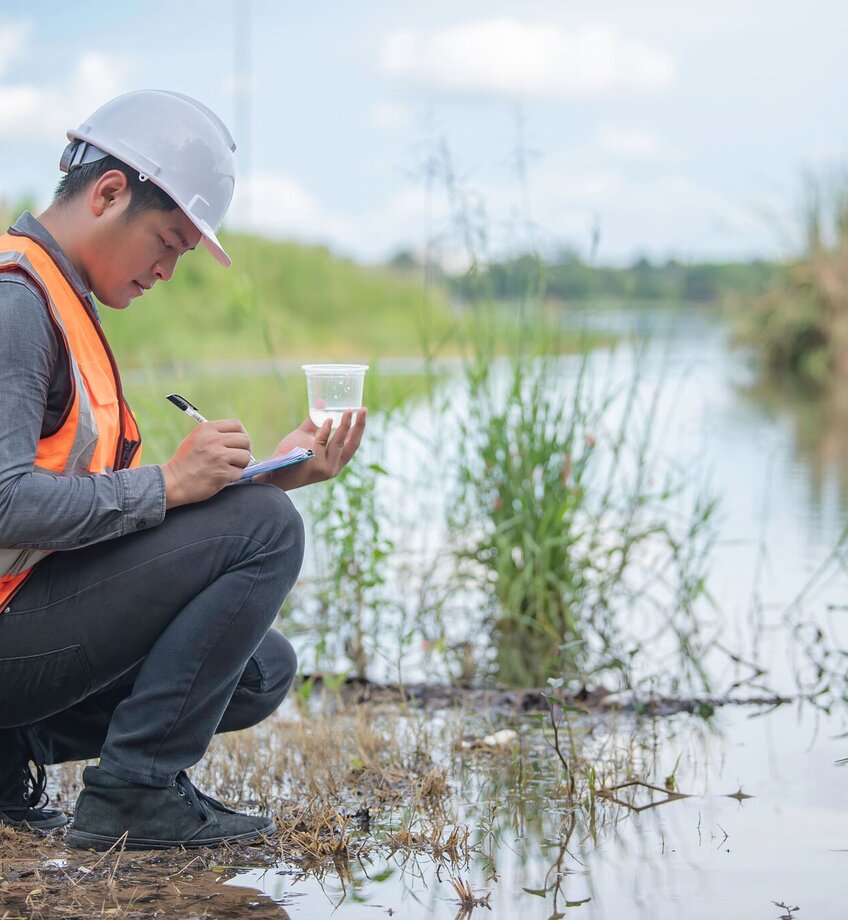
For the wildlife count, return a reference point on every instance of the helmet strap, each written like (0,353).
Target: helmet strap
(78,153)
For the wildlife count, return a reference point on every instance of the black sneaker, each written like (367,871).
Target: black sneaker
(23,800)
(155,818)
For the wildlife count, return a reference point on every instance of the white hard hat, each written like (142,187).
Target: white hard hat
(173,141)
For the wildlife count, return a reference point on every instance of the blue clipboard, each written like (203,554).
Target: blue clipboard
(297,455)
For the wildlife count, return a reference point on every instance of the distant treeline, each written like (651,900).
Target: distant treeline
(567,278)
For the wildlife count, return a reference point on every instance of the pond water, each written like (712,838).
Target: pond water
(777,466)
(702,857)
(780,486)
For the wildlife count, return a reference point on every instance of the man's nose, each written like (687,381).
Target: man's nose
(162,271)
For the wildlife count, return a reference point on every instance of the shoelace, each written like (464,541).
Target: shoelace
(35,786)
(195,797)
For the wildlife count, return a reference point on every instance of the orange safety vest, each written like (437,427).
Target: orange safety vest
(97,432)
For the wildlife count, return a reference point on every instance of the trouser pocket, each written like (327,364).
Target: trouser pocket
(36,686)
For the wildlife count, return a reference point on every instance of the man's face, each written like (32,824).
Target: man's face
(127,256)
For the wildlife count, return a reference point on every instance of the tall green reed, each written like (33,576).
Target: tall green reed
(566,525)
(565,520)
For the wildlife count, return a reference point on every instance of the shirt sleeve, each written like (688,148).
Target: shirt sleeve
(38,510)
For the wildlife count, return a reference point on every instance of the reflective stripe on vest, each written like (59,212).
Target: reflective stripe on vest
(98,432)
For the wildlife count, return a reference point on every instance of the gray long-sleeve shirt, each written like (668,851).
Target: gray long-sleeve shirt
(38,510)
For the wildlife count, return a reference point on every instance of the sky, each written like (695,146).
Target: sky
(611,128)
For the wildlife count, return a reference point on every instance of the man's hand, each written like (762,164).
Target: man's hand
(331,454)
(213,455)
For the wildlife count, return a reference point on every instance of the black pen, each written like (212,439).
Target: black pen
(192,412)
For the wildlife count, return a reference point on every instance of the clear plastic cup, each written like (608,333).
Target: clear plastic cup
(332,389)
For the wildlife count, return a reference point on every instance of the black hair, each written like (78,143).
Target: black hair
(144,196)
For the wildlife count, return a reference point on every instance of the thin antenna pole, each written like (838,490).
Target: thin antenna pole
(242,68)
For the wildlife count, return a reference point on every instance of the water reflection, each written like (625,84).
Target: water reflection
(712,853)
(818,426)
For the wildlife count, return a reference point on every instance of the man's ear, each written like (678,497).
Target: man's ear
(110,191)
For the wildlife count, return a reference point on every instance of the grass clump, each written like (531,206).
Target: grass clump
(568,527)
(800,327)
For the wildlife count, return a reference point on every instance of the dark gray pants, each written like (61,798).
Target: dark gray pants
(139,649)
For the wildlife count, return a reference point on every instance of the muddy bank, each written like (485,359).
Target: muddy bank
(356,691)
(42,878)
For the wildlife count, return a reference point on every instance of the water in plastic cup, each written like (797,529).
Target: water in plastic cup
(332,389)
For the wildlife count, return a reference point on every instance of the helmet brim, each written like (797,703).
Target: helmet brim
(211,242)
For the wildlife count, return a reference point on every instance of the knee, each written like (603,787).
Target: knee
(277,511)
(268,676)
(280,661)
(272,519)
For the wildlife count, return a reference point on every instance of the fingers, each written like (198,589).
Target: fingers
(237,439)
(213,454)
(238,459)
(227,424)
(344,427)
(228,432)
(354,439)
(322,435)
(348,437)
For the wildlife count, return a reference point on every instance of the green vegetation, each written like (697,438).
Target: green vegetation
(800,326)
(566,278)
(566,540)
(282,300)
(570,529)
(353,602)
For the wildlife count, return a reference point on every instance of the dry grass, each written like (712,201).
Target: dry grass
(467,899)
(350,787)
(342,786)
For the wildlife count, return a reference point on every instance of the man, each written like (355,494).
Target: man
(135,601)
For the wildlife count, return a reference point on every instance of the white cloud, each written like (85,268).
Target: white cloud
(629,143)
(13,38)
(279,206)
(668,214)
(507,57)
(391,116)
(29,111)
